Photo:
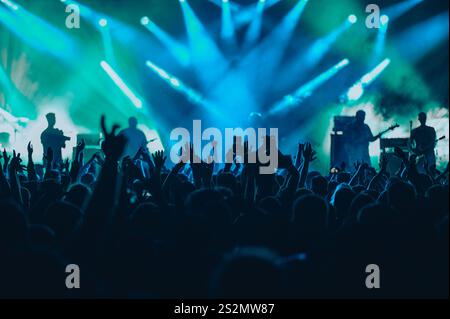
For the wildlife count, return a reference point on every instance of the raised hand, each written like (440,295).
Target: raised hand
(30,149)
(159,159)
(16,162)
(308,153)
(113,145)
(6,159)
(299,156)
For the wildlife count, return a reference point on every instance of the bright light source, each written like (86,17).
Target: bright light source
(384,19)
(371,76)
(103,22)
(145,21)
(10,4)
(343,63)
(355,92)
(175,82)
(121,84)
(352,19)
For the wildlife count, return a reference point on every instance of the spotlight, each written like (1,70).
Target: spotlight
(10,4)
(352,19)
(145,21)
(308,88)
(384,19)
(121,84)
(355,92)
(103,22)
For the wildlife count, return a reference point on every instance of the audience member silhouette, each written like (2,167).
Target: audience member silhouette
(199,230)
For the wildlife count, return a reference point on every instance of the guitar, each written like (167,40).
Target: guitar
(391,128)
(420,152)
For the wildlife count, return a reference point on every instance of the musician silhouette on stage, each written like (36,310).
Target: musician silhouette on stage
(53,138)
(358,136)
(135,138)
(423,142)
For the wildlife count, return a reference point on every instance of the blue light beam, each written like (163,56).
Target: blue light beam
(254,30)
(137,102)
(192,95)
(308,89)
(380,40)
(206,57)
(179,51)
(227,33)
(40,34)
(267,55)
(399,9)
(357,90)
(431,33)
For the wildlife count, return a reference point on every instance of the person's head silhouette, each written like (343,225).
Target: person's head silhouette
(422,118)
(51,119)
(132,122)
(360,116)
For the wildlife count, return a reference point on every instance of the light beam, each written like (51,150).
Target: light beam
(357,90)
(307,89)
(121,84)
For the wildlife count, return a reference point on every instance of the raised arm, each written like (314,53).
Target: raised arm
(5,190)
(377,180)
(6,159)
(14,168)
(309,155)
(104,198)
(32,177)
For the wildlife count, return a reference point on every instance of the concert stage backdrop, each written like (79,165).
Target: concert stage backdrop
(299,63)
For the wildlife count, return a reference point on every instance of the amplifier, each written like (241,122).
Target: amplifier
(89,139)
(341,122)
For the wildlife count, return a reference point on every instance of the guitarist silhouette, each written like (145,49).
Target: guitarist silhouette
(358,136)
(423,141)
(53,138)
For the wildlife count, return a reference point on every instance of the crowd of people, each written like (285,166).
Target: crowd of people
(137,229)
